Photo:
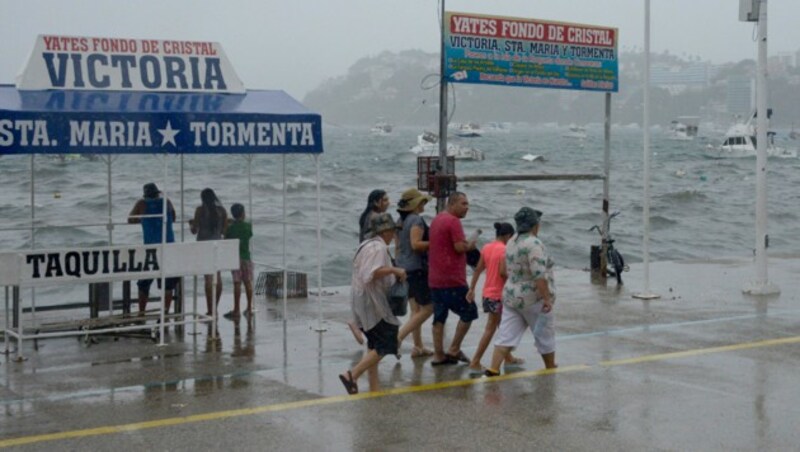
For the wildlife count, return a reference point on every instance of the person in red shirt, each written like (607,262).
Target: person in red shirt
(493,256)
(447,278)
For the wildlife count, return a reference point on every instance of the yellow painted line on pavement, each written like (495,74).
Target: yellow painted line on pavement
(701,351)
(218,415)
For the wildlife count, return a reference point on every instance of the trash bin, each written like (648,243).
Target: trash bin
(271,284)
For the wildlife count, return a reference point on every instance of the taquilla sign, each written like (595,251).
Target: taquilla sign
(116,263)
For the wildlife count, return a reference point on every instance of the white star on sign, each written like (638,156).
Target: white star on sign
(169,134)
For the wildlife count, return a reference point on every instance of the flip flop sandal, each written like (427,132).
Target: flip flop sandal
(420,352)
(459,357)
(447,361)
(349,385)
(515,361)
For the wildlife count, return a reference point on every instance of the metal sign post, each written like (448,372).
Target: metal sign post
(443,170)
(646,294)
(761,285)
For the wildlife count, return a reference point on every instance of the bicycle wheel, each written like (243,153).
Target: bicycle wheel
(617,263)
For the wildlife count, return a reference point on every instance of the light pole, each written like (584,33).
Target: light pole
(646,294)
(756,10)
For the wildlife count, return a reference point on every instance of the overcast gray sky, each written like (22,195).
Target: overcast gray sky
(296,44)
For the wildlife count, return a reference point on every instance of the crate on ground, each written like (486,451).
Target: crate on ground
(271,284)
(431,179)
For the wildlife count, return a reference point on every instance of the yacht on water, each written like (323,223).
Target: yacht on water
(467,130)
(575,131)
(498,127)
(428,144)
(684,128)
(381,128)
(740,141)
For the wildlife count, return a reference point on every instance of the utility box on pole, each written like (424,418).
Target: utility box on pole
(748,10)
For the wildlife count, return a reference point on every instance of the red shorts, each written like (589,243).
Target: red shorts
(245,272)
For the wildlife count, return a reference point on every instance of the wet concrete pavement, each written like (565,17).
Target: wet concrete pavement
(703,368)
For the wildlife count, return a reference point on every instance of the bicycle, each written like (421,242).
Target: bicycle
(613,257)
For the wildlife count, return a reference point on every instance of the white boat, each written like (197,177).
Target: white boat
(381,128)
(497,127)
(533,158)
(66,158)
(575,131)
(468,130)
(428,143)
(740,141)
(684,128)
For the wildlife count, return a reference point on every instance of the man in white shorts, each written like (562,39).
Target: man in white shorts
(528,295)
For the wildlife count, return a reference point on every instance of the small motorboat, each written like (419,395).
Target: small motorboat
(428,143)
(533,158)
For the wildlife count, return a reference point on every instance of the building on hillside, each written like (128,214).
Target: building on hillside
(787,59)
(740,95)
(777,65)
(679,78)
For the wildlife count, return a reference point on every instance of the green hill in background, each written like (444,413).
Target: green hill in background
(402,89)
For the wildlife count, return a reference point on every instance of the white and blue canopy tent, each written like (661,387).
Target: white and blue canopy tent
(107,123)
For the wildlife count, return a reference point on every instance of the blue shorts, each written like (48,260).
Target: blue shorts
(453,299)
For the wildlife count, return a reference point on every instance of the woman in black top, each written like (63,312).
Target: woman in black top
(209,222)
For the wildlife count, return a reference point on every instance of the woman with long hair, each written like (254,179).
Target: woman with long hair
(377,203)
(412,255)
(209,222)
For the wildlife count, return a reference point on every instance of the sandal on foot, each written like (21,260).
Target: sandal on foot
(357,334)
(460,356)
(418,352)
(231,315)
(447,361)
(491,373)
(515,361)
(349,384)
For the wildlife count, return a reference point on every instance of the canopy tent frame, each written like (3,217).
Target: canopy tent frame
(13,104)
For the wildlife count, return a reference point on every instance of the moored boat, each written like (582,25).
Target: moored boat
(381,128)
(468,130)
(428,143)
(684,128)
(575,131)
(740,142)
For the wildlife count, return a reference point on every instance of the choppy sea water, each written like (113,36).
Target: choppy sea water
(700,207)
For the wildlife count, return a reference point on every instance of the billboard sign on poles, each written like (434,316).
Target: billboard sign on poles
(530,52)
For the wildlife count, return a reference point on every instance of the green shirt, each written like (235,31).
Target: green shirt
(241,230)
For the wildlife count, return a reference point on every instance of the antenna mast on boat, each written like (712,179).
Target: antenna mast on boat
(441,195)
